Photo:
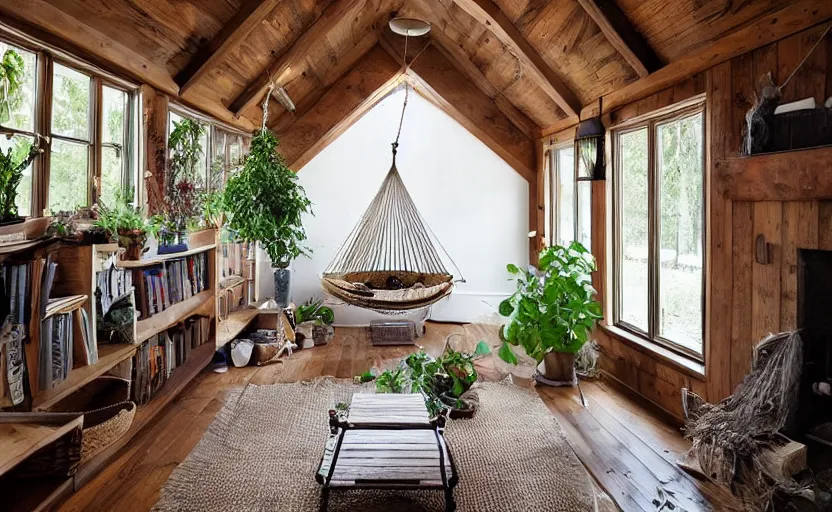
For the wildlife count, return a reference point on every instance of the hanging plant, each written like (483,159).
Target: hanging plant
(184,181)
(12,70)
(265,204)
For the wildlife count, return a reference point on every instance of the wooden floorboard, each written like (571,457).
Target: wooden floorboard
(629,448)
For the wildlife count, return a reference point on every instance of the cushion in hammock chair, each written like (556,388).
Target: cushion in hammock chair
(390,300)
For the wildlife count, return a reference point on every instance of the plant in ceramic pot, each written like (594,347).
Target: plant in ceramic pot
(125,223)
(264,203)
(552,312)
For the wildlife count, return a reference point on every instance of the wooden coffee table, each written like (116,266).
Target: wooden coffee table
(387,442)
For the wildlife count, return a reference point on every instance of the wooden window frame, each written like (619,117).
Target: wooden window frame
(695,106)
(46,58)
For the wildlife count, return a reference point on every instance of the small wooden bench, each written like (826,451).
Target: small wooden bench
(387,442)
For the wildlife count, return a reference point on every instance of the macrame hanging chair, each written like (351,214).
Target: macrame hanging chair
(388,262)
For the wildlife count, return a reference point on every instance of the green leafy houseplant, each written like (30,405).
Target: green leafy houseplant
(554,307)
(184,182)
(11,172)
(314,311)
(265,204)
(442,381)
(12,72)
(124,222)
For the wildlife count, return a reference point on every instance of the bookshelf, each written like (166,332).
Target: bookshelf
(75,288)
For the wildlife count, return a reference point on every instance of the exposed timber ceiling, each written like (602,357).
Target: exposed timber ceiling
(510,71)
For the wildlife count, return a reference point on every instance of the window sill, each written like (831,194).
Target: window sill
(679,362)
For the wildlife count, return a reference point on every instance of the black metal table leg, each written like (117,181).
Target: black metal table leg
(324,499)
(450,504)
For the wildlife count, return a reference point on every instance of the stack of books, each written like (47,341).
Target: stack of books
(233,258)
(15,296)
(163,285)
(112,284)
(57,339)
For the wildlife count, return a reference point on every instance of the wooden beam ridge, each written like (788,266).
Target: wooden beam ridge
(791,19)
(334,13)
(373,77)
(435,78)
(245,20)
(622,35)
(489,14)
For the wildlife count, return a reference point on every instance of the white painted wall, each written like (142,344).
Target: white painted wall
(474,202)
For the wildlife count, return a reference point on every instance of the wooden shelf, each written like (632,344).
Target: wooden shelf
(156,260)
(23,434)
(231,281)
(234,324)
(801,175)
(108,357)
(181,377)
(157,323)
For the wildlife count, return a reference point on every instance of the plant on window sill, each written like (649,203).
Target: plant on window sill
(553,310)
(184,183)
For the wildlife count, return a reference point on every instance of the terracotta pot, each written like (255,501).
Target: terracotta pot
(558,369)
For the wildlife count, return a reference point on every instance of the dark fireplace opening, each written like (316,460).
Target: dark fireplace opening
(813,420)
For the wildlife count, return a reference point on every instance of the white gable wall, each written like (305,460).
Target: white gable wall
(475,203)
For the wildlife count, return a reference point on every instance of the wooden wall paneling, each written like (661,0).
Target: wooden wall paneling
(537,204)
(775,25)
(742,98)
(599,242)
(765,299)
(155,119)
(438,80)
(719,248)
(742,240)
(810,79)
(800,231)
(825,225)
(374,76)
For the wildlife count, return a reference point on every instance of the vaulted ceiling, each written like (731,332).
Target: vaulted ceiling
(509,70)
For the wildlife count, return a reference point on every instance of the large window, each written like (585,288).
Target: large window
(570,200)
(658,229)
(88,117)
(18,124)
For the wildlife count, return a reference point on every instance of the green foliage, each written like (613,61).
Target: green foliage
(442,381)
(265,204)
(367,376)
(162,229)
(122,216)
(11,172)
(12,72)
(213,208)
(314,310)
(185,180)
(553,308)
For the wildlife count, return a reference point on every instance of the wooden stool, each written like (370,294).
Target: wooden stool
(387,442)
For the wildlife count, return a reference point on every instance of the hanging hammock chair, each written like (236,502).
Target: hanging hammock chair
(388,262)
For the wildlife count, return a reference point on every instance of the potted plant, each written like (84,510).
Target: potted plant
(125,223)
(184,183)
(314,322)
(264,203)
(552,312)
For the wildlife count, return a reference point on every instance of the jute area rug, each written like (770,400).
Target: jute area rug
(262,451)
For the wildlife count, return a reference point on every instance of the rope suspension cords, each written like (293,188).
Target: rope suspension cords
(389,262)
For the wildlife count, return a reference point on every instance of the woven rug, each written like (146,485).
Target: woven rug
(262,451)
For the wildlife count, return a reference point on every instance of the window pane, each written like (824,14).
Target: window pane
(681,161)
(218,161)
(633,270)
(114,104)
(20,149)
(585,214)
(20,112)
(70,103)
(566,196)
(68,172)
(112,172)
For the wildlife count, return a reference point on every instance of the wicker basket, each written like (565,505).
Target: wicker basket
(108,412)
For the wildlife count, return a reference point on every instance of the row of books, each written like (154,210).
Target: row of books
(233,258)
(112,284)
(15,296)
(164,285)
(158,357)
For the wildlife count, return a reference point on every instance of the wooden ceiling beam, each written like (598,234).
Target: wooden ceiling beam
(394,46)
(622,36)
(374,76)
(246,19)
(331,16)
(791,19)
(489,14)
(436,78)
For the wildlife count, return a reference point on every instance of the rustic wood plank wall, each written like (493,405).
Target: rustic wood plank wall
(746,299)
